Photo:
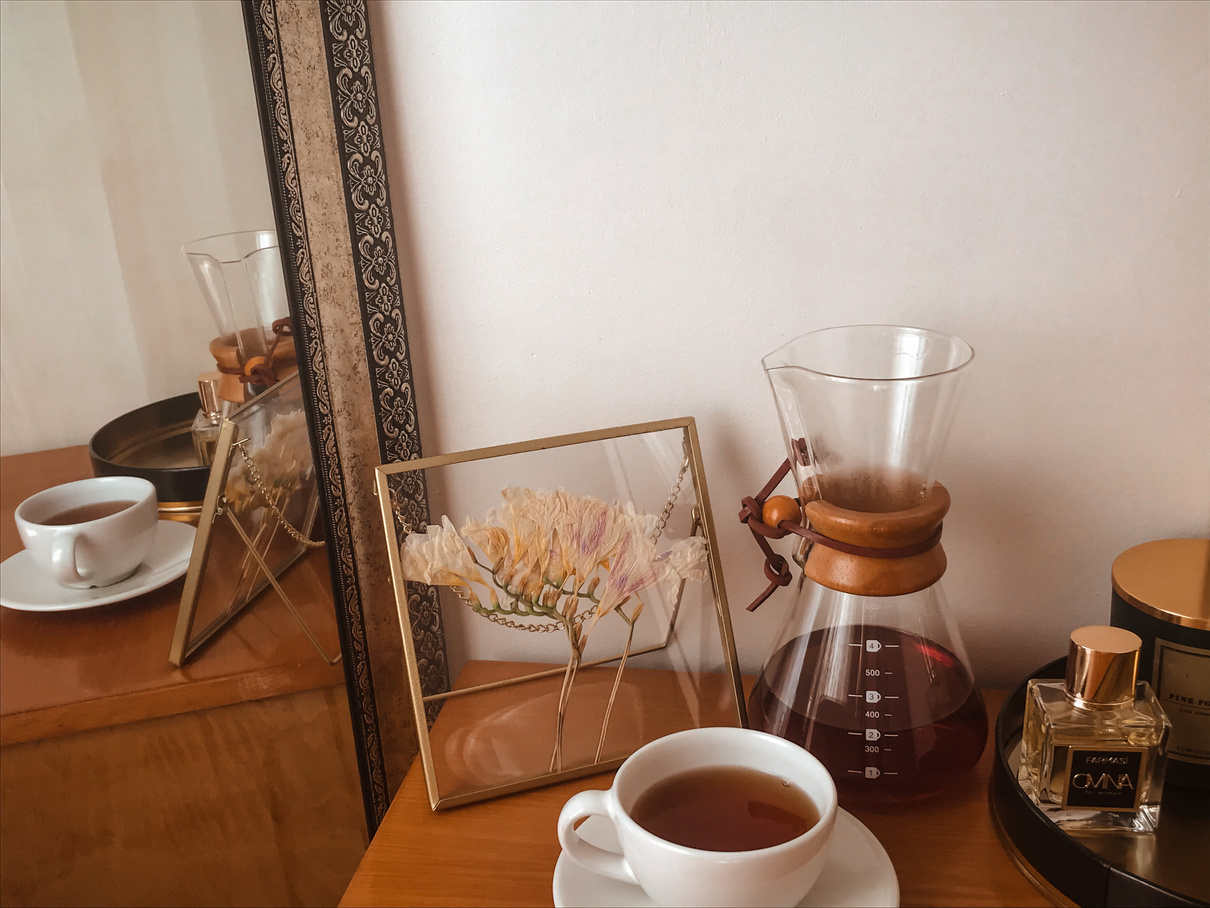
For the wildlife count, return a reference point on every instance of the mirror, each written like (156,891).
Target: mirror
(111,163)
(129,132)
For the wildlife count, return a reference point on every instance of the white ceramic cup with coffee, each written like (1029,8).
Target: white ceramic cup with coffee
(94,532)
(676,874)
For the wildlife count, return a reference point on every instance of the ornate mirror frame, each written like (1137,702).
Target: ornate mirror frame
(318,103)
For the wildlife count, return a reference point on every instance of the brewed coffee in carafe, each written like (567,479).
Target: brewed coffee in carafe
(868,671)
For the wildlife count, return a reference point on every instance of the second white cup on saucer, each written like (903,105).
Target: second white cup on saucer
(90,533)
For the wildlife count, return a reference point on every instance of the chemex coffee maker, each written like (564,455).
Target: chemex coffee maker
(868,672)
(241,278)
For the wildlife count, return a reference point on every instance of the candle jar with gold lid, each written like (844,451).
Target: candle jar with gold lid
(1161,591)
(1093,746)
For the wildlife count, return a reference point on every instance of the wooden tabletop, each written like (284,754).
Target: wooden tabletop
(63,672)
(503,852)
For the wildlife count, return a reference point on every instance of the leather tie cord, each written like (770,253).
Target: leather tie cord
(777,569)
(263,373)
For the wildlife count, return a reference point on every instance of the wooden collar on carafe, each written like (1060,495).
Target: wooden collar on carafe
(279,361)
(859,552)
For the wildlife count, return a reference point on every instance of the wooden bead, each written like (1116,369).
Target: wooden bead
(778,508)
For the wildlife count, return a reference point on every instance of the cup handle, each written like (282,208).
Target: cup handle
(590,857)
(63,559)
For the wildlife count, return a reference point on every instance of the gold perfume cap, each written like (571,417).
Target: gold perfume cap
(207,391)
(1102,663)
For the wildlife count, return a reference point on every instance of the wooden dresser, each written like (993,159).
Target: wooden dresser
(126,781)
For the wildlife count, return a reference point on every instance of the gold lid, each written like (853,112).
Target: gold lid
(1102,663)
(1168,579)
(207,391)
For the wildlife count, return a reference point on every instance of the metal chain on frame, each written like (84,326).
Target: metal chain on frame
(258,483)
(400,519)
(673,494)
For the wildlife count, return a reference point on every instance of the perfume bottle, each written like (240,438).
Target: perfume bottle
(1093,746)
(209,418)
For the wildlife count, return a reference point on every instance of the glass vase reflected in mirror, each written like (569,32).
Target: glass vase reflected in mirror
(242,282)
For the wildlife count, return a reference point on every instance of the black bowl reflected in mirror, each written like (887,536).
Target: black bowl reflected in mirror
(155,442)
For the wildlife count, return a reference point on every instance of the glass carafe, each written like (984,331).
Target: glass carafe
(868,671)
(241,278)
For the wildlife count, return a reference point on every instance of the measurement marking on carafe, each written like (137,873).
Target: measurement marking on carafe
(873,646)
(872,772)
(925,664)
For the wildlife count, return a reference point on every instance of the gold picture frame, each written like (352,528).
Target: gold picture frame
(261,502)
(567,544)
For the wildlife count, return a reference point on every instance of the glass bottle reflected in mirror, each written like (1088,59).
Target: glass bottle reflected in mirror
(209,419)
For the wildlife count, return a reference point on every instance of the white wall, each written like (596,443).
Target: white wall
(129,129)
(613,210)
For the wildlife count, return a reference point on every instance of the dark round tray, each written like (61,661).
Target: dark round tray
(1169,867)
(154,442)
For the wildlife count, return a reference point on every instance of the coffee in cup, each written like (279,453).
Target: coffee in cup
(94,532)
(712,816)
(725,808)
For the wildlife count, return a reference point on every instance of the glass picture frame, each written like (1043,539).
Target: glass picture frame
(581,594)
(257,517)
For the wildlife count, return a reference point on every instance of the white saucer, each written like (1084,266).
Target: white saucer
(24,586)
(858,872)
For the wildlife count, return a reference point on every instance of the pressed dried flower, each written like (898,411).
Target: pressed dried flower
(536,542)
(283,459)
(589,535)
(492,539)
(439,557)
(635,568)
(687,559)
(639,567)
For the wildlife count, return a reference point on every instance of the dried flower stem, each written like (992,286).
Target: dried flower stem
(569,678)
(617,678)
